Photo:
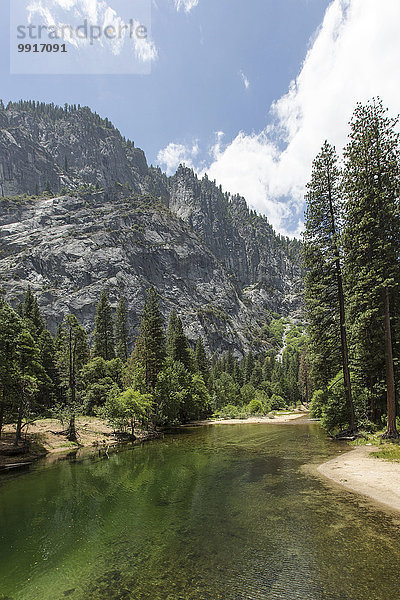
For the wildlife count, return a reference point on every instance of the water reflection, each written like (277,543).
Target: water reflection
(222,512)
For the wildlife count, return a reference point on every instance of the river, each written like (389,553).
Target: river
(210,513)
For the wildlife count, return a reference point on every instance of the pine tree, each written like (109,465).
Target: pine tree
(324,283)
(121,331)
(249,364)
(229,362)
(104,330)
(372,245)
(72,354)
(171,329)
(149,349)
(49,388)
(305,381)
(28,377)
(30,311)
(11,326)
(177,344)
(202,362)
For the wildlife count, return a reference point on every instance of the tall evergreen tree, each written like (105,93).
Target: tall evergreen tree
(29,310)
(249,364)
(202,362)
(104,330)
(49,387)
(28,372)
(324,283)
(178,348)
(11,326)
(372,245)
(171,329)
(72,354)
(149,349)
(305,380)
(121,331)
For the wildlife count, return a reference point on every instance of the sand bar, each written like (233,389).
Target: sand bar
(373,477)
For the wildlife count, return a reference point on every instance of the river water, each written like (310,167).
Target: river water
(211,513)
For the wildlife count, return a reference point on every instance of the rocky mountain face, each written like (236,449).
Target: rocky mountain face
(82,211)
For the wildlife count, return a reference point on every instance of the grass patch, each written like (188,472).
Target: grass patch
(390,451)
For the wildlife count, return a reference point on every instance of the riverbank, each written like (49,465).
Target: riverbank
(45,438)
(358,472)
(286,417)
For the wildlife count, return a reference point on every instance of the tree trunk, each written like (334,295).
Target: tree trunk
(345,352)
(2,409)
(342,316)
(391,429)
(19,422)
(71,431)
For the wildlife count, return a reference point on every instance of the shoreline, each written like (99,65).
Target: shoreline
(277,419)
(375,479)
(46,442)
(94,435)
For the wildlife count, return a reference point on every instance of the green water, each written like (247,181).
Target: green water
(223,512)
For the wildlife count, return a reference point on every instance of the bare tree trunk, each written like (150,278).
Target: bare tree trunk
(19,422)
(391,429)
(345,352)
(2,408)
(342,316)
(71,431)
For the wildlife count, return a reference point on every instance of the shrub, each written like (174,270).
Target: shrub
(317,404)
(256,407)
(227,412)
(277,402)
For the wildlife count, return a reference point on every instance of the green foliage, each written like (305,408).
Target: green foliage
(224,390)
(318,402)
(104,329)
(256,407)
(372,249)
(277,402)
(177,344)
(121,331)
(202,363)
(277,328)
(247,393)
(98,378)
(125,409)
(150,345)
(229,411)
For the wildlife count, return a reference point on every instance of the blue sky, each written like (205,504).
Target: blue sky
(219,67)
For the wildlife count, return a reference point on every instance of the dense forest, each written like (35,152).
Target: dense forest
(346,360)
(351,254)
(163,382)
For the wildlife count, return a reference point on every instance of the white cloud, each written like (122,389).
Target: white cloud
(245,80)
(185,5)
(354,56)
(173,155)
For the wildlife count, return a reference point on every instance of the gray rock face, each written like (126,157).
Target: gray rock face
(58,148)
(218,264)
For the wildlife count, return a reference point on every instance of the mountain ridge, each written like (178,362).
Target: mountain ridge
(128,226)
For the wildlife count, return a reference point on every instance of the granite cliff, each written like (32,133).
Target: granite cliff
(82,210)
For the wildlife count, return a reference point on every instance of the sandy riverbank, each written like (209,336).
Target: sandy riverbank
(279,418)
(358,472)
